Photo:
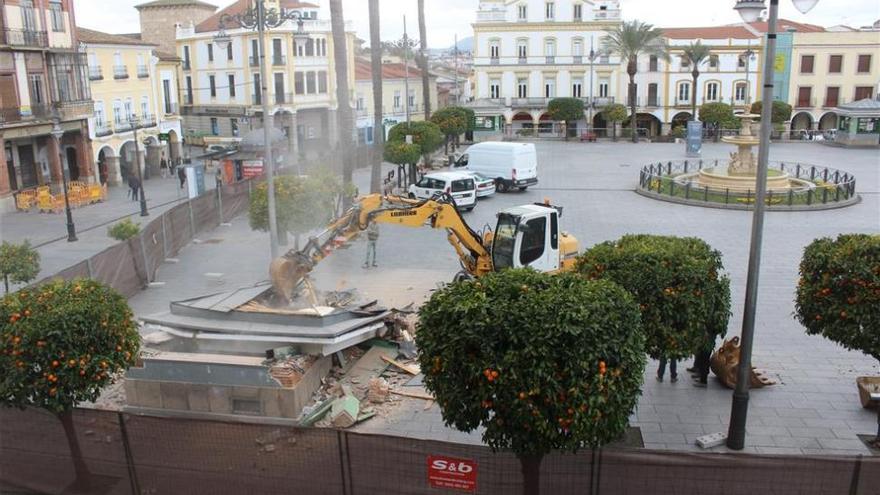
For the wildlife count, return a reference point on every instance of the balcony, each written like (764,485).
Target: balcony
(494,61)
(172,109)
(122,125)
(186,65)
(578,59)
(147,121)
(96,73)
(254,61)
(550,59)
(279,60)
(188,99)
(523,60)
(143,71)
(103,129)
(493,15)
(25,37)
(120,72)
(281,98)
(19,114)
(601,101)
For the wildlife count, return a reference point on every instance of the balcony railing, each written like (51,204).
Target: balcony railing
(254,61)
(18,114)
(147,121)
(550,59)
(103,129)
(122,125)
(172,109)
(805,103)
(283,98)
(95,73)
(25,37)
(143,71)
(601,101)
(187,65)
(188,99)
(578,59)
(494,61)
(279,60)
(523,60)
(120,72)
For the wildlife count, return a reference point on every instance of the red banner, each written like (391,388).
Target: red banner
(452,473)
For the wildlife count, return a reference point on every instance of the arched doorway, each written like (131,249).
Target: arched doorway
(681,119)
(127,161)
(545,124)
(647,124)
(72,164)
(802,121)
(600,125)
(174,146)
(828,121)
(522,122)
(107,164)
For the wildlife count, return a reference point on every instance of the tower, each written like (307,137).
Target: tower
(159,18)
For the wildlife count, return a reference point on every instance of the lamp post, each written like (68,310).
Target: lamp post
(258,17)
(748,54)
(750,10)
(592,103)
(135,122)
(57,133)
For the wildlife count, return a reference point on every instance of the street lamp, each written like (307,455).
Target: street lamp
(593,55)
(406,44)
(135,122)
(57,133)
(258,17)
(749,11)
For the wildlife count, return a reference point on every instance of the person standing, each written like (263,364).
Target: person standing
(181,174)
(134,186)
(163,167)
(673,369)
(372,238)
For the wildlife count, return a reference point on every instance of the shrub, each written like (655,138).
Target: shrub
(452,121)
(568,110)
(124,230)
(838,294)
(781,111)
(679,132)
(719,114)
(542,362)
(401,153)
(426,135)
(19,263)
(678,283)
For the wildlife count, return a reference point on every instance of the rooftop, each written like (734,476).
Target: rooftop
(364,71)
(176,3)
(213,23)
(99,38)
(737,31)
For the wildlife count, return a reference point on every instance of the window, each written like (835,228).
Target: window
(577,47)
(322,81)
(522,88)
(359,104)
(494,48)
(231,79)
(28,16)
(864,92)
(652,95)
(210,52)
(864,64)
(215,126)
(233,124)
(835,64)
(311,86)
(807,64)
(36,83)
(212,83)
(534,238)
(129,109)
(299,85)
(166,96)
(685,63)
(550,47)
(186,58)
(100,118)
(713,61)
(145,106)
(576,89)
(189,90)
(603,89)
(522,49)
(522,12)
(832,96)
(412,98)
(711,92)
(578,11)
(742,61)
(684,92)
(550,88)
(494,88)
(118,117)
(258,90)
(229,54)
(279,87)
(804,97)
(550,11)
(397,99)
(739,92)
(322,47)
(653,64)
(57,13)
(310,47)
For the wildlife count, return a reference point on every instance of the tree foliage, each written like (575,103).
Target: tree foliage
(19,263)
(124,230)
(426,135)
(613,114)
(720,114)
(301,203)
(566,109)
(452,121)
(63,342)
(781,112)
(401,153)
(838,295)
(542,362)
(678,283)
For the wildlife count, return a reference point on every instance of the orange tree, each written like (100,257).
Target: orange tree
(838,295)
(542,362)
(678,282)
(60,344)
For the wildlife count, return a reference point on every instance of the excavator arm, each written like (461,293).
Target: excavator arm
(289,271)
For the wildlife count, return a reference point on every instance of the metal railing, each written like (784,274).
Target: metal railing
(283,98)
(578,59)
(147,121)
(494,61)
(120,72)
(17,114)
(122,125)
(254,61)
(25,37)
(103,129)
(96,73)
(143,71)
(822,186)
(279,60)
(550,59)
(805,103)
(188,99)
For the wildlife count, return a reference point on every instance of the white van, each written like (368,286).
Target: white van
(512,165)
(460,185)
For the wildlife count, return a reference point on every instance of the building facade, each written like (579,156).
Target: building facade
(128,95)
(160,18)
(221,87)
(394,89)
(43,79)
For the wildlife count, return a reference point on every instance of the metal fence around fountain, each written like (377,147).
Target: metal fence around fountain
(830,188)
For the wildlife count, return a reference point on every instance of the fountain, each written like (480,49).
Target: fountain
(741,172)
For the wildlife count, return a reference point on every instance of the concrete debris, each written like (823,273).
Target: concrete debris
(378,390)
(344,411)
(289,370)
(269,448)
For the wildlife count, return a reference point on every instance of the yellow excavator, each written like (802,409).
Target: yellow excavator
(525,236)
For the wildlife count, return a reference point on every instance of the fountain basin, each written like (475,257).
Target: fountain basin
(725,179)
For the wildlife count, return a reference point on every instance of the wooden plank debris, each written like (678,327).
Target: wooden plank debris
(412,370)
(415,395)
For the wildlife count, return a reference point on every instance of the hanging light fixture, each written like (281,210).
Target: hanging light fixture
(750,10)
(804,5)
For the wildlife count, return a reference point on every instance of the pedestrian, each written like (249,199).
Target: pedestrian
(163,167)
(673,369)
(372,237)
(387,188)
(134,186)
(181,174)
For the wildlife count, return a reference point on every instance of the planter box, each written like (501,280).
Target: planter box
(867,386)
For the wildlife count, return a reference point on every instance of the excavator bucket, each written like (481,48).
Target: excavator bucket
(287,274)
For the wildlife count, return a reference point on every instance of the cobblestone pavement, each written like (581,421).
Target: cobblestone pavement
(814,408)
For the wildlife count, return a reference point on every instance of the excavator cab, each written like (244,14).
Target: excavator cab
(529,236)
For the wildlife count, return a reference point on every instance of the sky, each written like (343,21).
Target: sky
(448,18)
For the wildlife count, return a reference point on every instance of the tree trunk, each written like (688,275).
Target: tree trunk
(696,76)
(82,484)
(531,472)
(423,61)
(614,132)
(343,95)
(634,124)
(378,124)
(6,283)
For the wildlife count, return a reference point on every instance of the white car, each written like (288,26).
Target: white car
(460,185)
(485,185)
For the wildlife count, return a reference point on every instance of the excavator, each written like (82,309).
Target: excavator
(525,236)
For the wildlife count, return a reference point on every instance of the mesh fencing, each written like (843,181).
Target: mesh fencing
(137,454)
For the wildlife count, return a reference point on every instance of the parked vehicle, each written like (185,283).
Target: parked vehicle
(485,185)
(461,185)
(512,165)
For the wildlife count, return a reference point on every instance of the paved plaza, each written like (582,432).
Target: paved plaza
(814,408)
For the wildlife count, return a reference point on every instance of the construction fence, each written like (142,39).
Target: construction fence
(135,454)
(130,266)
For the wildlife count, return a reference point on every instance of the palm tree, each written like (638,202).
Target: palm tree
(630,40)
(343,113)
(378,124)
(696,54)
(423,60)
